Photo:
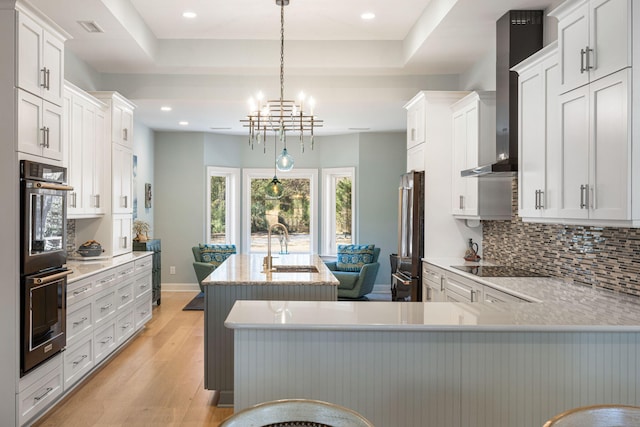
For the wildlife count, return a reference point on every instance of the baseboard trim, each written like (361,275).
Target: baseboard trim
(180,287)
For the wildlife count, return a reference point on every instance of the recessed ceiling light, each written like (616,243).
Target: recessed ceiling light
(367,16)
(183,123)
(188,14)
(165,108)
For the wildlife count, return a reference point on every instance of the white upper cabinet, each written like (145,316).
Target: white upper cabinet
(122,179)
(40,58)
(474,144)
(538,134)
(87,153)
(595,144)
(39,126)
(594,40)
(416,121)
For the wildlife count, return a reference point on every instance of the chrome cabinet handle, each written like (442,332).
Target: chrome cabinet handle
(588,52)
(47,74)
(105,307)
(441,283)
(80,322)
(126,325)
(74,201)
(42,396)
(77,362)
(582,54)
(473,296)
(44,78)
(125,134)
(106,340)
(584,197)
(80,291)
(428,294)
(461,202)
(413,134)
(125,296)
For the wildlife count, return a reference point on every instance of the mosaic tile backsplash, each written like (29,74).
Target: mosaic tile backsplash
(604,257)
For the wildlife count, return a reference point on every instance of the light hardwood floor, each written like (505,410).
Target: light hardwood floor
(157,380)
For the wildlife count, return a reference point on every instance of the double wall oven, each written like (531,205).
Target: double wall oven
(43,277)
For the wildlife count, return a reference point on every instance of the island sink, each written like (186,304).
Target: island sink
(294,269)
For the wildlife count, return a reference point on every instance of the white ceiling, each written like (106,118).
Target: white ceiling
(360,72)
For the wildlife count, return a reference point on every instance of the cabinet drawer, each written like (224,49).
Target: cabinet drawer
(124,295)
(79,320)
(465,288)
(125,326)
(39,395)
(104,341)
(126,270)
(144,264)
(143,285)
(433,276)
(104,306)
(79,290)
(78,360)
(104,280)
(143,310)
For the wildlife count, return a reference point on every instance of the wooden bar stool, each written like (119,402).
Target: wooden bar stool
(597,416)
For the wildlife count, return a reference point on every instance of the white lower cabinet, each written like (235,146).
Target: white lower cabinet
(78,360)
(104,310)
(433,283)
(461,289)
(104,341)
(39,389)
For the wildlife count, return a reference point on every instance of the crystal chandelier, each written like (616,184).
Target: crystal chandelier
(282,115)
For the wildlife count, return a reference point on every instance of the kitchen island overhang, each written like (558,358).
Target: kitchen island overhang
(453,364)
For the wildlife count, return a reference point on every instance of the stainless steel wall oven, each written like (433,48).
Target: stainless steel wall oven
(43,277)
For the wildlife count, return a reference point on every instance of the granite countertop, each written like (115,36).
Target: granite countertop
(82,269)
(556,305)
(243,269)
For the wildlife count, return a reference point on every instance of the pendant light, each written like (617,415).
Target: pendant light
(274,188)
(281,115)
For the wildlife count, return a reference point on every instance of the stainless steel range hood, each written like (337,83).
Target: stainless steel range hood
(518,36)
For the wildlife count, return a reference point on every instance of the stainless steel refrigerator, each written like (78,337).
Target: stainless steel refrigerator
(406,265)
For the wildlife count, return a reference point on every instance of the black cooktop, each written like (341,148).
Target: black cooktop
(496,271)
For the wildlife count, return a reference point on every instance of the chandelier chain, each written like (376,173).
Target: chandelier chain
(281,57)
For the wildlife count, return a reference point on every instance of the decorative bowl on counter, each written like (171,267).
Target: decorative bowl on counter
(90,248)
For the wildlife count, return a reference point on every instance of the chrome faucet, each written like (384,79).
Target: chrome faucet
(267,263)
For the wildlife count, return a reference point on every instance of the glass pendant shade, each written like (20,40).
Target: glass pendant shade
(274,188)
(285,161)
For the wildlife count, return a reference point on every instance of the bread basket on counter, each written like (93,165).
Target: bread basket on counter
(90,248)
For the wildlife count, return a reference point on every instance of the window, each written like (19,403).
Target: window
(338,219)
(223,187)
(296,209)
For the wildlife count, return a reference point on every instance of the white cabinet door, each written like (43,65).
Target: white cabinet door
(39,126)
(609,36)
(538,176)
(30,131)
(122,234)
(531,155)
(416,124)
(594,41)
(472,120)
(122,124)
(40,60)
(122,171)
(459,184)
(610,163)
(52,122)
(574,146)
(573,39)
(53,59)
(31,73)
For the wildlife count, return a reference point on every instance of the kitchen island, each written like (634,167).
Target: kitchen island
(403,364)
(299,277)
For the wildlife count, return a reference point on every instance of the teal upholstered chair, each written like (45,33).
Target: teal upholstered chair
(356,269)
(209,257)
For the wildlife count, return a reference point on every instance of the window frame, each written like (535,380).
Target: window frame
(329,177)
(261,173)
(232,203)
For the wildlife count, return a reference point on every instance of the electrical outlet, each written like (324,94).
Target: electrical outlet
(172,269)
